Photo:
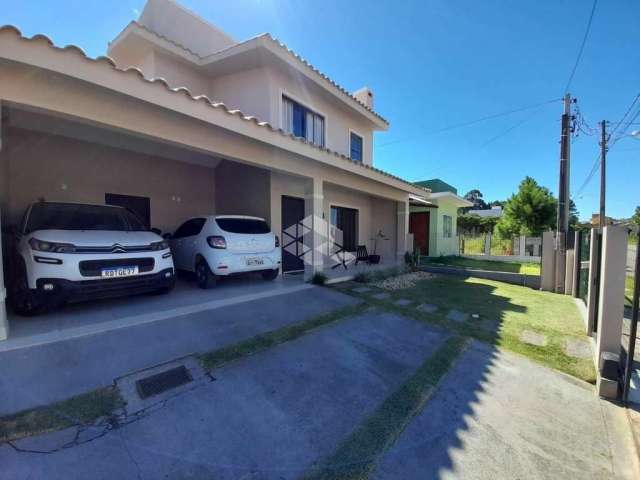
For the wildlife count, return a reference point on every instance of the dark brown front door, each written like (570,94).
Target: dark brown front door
(419,226)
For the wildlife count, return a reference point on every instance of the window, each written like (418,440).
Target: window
(346,219)
(302,122)
(447,226)
(190,228)
(251,226)
(356,147)
(71,216)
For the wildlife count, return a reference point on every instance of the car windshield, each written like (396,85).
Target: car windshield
(67,216)
(243,225)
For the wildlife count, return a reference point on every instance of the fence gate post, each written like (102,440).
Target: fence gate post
(611,304)
(487,244)
(548,274)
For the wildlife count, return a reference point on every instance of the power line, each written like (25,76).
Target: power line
(511,128)
(584,41)
(472,122)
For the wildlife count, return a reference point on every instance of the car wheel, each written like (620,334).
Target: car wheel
(270,274)
(204,276)
(22,300)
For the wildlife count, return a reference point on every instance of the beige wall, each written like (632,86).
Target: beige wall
(242,190)
(61,169)
(248,91)
(179,73)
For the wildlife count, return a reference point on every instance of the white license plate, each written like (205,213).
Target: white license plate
(119,272)
(254,261)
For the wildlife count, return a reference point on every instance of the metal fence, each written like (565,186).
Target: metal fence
(495,245)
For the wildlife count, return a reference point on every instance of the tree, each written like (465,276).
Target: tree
(530,211)
(574,215)
(636,216)
(475,197)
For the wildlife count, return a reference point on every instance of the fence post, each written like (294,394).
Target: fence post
(487,244)
(523,245)
(611,304)
(548,274)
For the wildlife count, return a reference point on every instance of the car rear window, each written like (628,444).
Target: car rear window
(243,225)
(67,216)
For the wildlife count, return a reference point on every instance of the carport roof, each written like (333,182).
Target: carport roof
(104,60)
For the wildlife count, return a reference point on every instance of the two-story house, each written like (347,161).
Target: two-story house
(184,120)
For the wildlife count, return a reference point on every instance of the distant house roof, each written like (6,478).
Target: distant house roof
(437,186)
(490,212)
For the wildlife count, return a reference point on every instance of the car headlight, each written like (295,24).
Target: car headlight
(51,247)
(163,245)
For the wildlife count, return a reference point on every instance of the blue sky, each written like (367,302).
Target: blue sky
(433,64)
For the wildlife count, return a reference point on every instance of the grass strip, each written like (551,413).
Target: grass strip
(262,342)
(81,409)
(356,457)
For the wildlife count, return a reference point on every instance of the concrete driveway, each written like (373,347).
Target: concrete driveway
(277,413)
(67,362)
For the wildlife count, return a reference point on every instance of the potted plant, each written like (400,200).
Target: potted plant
(375,258)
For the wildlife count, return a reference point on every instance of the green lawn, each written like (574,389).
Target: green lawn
(628,291)
(495,266)
(505,312)
(78,410)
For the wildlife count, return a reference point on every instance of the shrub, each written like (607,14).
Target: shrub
(319,278)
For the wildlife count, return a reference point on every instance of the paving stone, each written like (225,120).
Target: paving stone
(381,296)
(362,289)
(457,316)
(403,302)
(533,338)
(577,348)
(427,308)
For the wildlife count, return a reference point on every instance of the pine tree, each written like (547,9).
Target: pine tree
(530,211)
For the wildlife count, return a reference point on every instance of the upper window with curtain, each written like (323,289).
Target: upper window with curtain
(302,122)
(356,147)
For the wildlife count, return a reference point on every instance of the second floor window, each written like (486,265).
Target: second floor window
(356,147)
(302,122)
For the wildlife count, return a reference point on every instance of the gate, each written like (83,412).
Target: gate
(583,248)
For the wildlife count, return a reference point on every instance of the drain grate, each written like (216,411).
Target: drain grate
(161,382)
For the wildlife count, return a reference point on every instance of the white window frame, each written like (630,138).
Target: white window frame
(355,132)
(308,106)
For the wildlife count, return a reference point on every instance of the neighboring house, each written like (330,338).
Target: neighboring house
(493,212)
(433,222)
(187,121)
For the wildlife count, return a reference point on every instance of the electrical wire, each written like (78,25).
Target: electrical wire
(471,122)
(584,41)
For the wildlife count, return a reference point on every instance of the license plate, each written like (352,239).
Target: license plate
(254,261)
(117,272)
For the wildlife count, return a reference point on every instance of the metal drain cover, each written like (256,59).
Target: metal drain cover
(161,382)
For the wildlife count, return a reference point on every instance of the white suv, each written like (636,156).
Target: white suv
(222,245)
(67,251)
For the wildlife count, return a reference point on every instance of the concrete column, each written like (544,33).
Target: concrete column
(612,277)
(593,287)
(402,230)
(487,244)
(522,245)
(316,236)
(548,277)
(4,323)
(568,276)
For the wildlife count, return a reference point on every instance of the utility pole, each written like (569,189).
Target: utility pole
(563,197)
(603,172)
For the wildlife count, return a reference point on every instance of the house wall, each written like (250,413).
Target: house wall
(242,190)
(249,91)
(180,73)
(446,246)
(57,168)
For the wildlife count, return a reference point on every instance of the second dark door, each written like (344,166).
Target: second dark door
(292,246)
(419,227)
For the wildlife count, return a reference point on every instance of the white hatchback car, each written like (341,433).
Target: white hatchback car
(69,251)
(222,245)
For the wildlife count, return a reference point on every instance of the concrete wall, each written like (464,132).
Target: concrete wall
(242,190)
(249,91)
(62,169)
(180,73)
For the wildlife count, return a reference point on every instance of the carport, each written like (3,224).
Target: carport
(56,158)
